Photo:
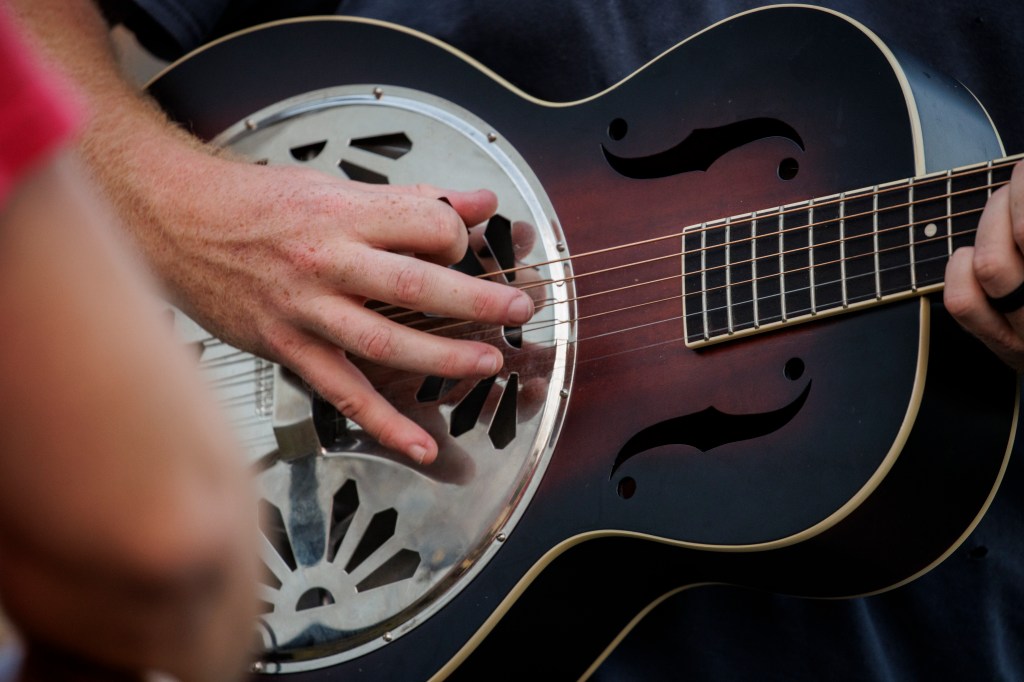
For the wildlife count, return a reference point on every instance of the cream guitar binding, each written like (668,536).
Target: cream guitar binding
(776,400)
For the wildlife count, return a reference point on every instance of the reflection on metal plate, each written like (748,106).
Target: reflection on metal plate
(361,545)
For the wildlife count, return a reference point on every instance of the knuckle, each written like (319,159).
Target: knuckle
(288,304)
(376,343)
(360,408)
(1007,338)
(1017,176)
(437,224)
(450,364)
(352,406)
(304,256)
(445,227)
(409,285)
(281,344)
(958,303)
(484,305)
(352,267)
(364,409)
(1017,225)
(347,399)
(988,266)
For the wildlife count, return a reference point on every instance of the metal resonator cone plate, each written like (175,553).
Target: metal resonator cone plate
(360,545)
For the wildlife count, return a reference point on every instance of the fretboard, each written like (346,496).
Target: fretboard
(790,264)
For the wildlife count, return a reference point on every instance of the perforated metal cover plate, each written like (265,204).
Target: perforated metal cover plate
(360,546)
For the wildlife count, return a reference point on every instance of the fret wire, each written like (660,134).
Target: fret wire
(782,267)
(781,211)
(899,184)
(753,271)
(874,231)
(807,310)
(728,275)
(949,213)
(842,249)
(843,244)
(889,249)
(910,235)
(876,193)
(688,286)
(879,249)
(804,311)
(704,278)
(920,270)
(810,255)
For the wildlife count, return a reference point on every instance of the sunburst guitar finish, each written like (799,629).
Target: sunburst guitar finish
(774,399)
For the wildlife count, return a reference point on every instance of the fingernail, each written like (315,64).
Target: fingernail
(487,365)
(521,309)
(418,452)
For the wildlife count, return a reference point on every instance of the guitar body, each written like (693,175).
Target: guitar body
(834,458)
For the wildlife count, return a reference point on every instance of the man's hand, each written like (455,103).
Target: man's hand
(278,260)
(281,260)
(992,269)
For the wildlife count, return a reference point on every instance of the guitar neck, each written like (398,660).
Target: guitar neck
(790,264)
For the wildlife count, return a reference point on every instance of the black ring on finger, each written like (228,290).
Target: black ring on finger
(1009,303)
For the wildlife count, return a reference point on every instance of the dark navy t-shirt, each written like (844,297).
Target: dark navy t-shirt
(964,619)
(570,49)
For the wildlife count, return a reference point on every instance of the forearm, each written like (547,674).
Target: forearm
(126,516)
(279,260)
(143,163)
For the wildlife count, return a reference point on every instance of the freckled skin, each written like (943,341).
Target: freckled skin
(294,290)
(245,249)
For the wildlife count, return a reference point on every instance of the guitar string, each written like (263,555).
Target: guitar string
(237,357)
(416,380)
(256,420)
(772,277)
(771,235)
(240,379)
(213,341)
(856,195)
(790,293)
(267,439)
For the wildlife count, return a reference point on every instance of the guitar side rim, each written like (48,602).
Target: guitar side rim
(867,489)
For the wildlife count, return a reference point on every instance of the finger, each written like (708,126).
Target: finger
(1016,200)
(997,261)
(372,336)
(338,381)
(523,238)
(967,302)
(418,285)
(416,221)
(473,206)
